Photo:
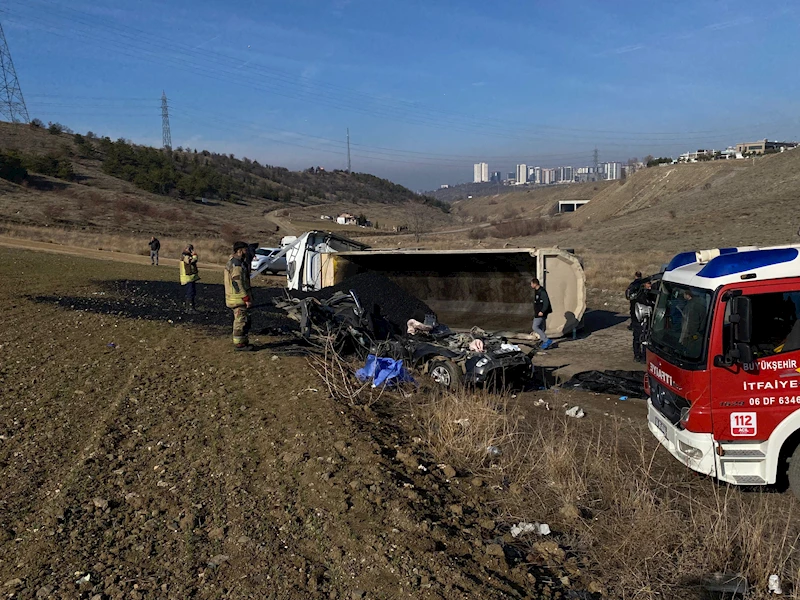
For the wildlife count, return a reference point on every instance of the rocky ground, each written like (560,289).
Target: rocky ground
(143,458)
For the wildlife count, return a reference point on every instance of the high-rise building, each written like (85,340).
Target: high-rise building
(497,177)
(548,176)
(537,174)
(480,172)
(522,173)
(565,174)
(511,176)
(613,170)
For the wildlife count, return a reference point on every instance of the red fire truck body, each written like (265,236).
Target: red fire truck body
(723,363)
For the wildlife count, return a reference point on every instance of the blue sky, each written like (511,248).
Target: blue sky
(427,87)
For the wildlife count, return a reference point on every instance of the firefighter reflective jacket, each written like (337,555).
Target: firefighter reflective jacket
(189,268)
(237,282)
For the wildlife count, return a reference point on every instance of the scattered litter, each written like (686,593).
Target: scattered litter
(315,390)
(774,584)
(509,348)
(84,579)
(576,411)
(523,527)
(494,451)
(623,398)
(423,468)
(726,583)
(111,345)
(462,422)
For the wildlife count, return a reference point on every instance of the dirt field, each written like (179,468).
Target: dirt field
(143,458)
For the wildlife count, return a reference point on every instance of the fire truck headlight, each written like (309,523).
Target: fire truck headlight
(690,451)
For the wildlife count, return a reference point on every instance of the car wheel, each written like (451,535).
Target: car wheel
(445,373)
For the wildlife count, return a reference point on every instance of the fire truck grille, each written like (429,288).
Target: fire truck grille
(667,402)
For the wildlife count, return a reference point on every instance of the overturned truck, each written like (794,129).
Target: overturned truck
(487,288)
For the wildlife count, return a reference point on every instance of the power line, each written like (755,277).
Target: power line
(12,104)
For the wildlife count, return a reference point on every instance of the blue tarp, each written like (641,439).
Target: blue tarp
(383,371)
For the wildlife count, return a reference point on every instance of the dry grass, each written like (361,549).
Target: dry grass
(647,531)
(211,250)
(615,271)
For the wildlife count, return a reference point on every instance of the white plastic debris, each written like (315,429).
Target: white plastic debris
(523,527)
(462,422)
(85,579)
(774,584)
(494,451)
(576,412)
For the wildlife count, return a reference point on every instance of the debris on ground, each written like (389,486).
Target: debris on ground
(522,527)
(615,382)
(774,585)
(576,412)
(727,583)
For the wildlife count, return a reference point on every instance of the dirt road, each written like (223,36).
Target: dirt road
(12,242)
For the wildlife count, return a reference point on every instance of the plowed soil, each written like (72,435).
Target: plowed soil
(143,458)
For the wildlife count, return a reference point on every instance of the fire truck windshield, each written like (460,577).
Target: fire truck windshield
(680,321)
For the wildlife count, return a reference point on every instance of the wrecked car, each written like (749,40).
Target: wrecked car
(451,359)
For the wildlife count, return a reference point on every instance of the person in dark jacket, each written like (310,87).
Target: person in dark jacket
(155,246)
(541,308)
(642,302)
(632,290)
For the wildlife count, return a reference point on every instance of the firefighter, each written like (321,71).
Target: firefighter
(633,288)
(642,304)
(238,296)
(189,277)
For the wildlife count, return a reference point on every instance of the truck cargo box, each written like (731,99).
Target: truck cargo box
(488,288)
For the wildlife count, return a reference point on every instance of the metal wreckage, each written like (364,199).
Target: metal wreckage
(384,301)
(450,358)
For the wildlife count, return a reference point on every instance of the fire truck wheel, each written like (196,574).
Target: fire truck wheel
(794,472)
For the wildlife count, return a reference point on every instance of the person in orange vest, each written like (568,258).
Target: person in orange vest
(238,296)
(189,277)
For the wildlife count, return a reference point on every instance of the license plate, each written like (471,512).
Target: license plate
(661,427)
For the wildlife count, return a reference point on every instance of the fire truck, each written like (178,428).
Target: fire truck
(723,364)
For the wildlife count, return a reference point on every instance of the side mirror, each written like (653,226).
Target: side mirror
(742,320)
(743,353)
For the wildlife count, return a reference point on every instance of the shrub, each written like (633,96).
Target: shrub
(11,168)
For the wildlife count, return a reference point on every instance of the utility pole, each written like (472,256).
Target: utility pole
(166,135)
(349,166)
(596,163)
(12,104)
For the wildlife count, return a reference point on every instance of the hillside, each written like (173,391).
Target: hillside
(121,189)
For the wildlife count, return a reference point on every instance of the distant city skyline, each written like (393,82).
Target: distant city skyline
(421,85)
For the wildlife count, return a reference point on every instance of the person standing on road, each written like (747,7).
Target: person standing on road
(155,246)
(541,308)
(238,296)
(189,277)
(630,294)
